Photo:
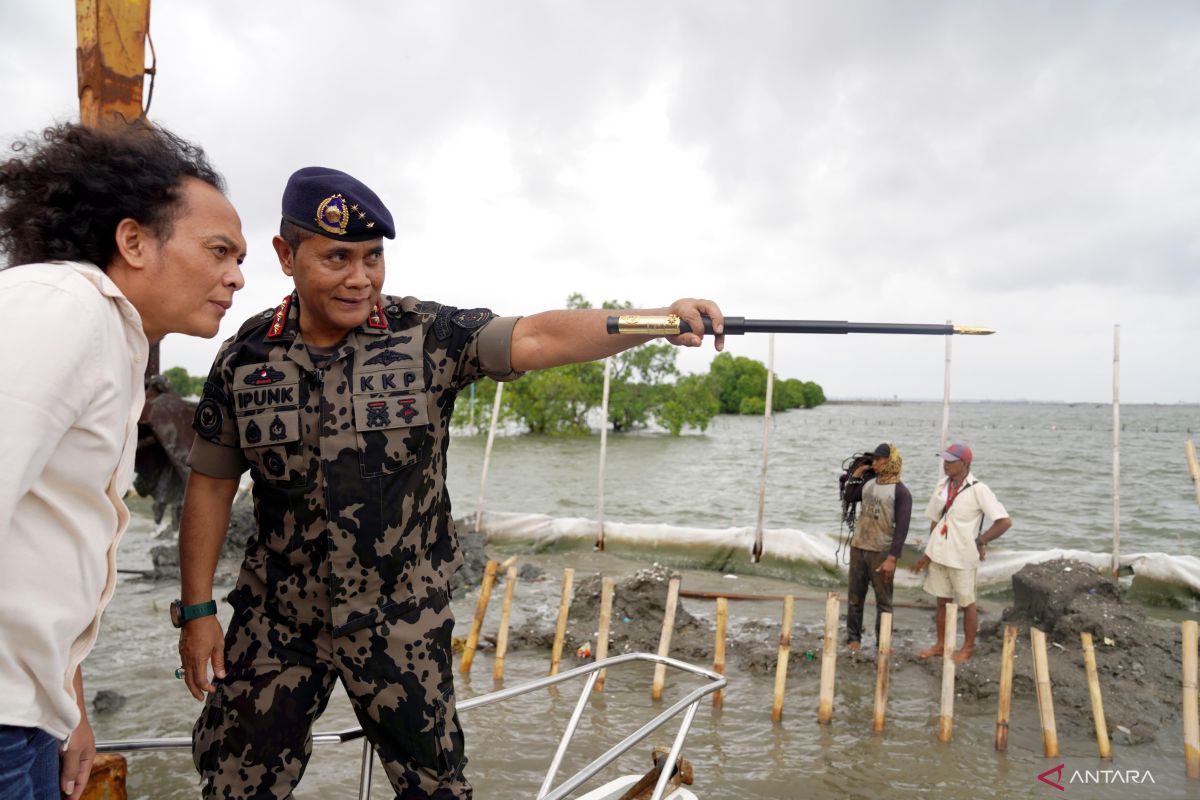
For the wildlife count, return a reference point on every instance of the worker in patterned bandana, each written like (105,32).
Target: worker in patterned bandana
(878,539)
(957,543)
(339,402)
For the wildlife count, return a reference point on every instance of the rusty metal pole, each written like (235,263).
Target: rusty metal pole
(111,62)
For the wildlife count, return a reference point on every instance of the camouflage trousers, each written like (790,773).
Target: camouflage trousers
(254,736)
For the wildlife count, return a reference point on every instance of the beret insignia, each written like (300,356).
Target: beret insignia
(332,215)
(471,318)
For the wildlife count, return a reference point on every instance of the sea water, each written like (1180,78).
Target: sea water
(1050,465)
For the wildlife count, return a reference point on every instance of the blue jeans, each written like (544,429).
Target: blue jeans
(28,764)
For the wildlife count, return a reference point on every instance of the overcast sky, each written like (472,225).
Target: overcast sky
(1032,167)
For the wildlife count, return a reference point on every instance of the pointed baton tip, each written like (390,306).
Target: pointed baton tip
(966,330)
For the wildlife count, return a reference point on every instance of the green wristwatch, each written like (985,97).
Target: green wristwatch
(181,614)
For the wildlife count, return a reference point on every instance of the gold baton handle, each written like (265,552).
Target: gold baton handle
(645,324)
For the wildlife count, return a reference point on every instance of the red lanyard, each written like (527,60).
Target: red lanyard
(951,493)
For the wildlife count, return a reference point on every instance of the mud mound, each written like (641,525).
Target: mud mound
(1137,660)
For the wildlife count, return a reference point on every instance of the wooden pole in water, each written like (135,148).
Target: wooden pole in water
(945,409)
(607,587)
(883,663)
(664,641)
(1116,469)
(487,455)
(510,586)
(1193,467)
(828,659)
(603,458)
(781,666)
(1093,679)
(1191,717)
(946,719)
(1004,708)
(485,593)
(564,611)
(756,554)
(719,648)
(1041,673)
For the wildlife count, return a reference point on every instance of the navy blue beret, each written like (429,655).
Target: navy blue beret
(337,205)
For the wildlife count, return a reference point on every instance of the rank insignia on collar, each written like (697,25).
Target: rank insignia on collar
(375,318)
(332,215)
(264,376)
(280,320)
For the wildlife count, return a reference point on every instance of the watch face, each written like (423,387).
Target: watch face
(177,613)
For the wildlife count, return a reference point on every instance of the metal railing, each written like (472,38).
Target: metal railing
(687,705)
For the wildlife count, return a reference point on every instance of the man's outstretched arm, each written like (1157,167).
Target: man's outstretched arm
(554,338)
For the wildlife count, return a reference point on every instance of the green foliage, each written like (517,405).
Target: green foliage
(556,400)
(753,405)
(739,380)
(183,383)
(691,402)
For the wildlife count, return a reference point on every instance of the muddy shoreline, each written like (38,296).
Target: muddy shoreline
(1138,659)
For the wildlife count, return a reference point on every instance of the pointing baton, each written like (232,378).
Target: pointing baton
(671,325)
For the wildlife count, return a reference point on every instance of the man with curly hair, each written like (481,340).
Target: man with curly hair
(111,241)
(878,537)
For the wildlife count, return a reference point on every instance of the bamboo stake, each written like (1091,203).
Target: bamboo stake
(756,554)
(487,456)
(510,586)
(608,585)
(1041,671)
(883,663)
(603,459)
(1193,466)
(719,648)
(946,720)
(1191,717)
(1006,679)
(828,659)
(1093,679)
(564,610)
(945,409)
(1116,469)
(781,667)
(485,593)
(664,641)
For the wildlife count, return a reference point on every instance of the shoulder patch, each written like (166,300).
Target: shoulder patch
(441,325)
(471,318)
(209,415)
(256,321)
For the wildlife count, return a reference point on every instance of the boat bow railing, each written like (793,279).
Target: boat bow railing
(687,705)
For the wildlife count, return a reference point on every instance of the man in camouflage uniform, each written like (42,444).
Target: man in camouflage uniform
(339,403)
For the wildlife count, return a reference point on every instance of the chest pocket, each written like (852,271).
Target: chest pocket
(391,419)
(266,401)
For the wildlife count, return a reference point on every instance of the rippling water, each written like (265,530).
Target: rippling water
(1049,464)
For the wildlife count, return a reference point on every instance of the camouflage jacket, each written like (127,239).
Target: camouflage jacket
(348,460)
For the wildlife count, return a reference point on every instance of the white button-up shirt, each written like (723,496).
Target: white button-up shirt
(71,392)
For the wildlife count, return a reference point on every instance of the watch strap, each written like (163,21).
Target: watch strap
(205,609)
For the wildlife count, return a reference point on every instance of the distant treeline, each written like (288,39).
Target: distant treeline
(646,388)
